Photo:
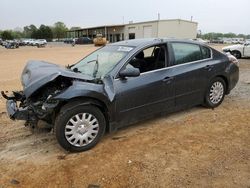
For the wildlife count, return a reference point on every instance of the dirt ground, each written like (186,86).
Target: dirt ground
(198,147)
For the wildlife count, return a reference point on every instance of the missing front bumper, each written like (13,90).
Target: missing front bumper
(16,113)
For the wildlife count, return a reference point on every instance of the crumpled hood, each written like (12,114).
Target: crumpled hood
(38,73)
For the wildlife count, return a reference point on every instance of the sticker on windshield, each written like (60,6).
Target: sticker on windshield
(124,49)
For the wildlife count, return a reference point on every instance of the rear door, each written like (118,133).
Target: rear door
(191,66)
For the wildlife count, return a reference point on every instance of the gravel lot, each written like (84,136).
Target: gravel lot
(198,147)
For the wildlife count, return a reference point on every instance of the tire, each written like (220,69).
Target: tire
(88,129)
(236,54)
(215,92)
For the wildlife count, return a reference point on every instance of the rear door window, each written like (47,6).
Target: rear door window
(206,52)
(185,52)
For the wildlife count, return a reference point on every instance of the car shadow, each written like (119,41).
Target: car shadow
(151,121)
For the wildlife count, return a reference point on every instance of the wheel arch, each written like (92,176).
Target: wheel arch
(87,101)
(238,51)
(226,82)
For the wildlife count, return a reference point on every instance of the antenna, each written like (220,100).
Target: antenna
(159,16)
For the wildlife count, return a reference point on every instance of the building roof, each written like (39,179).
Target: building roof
(122,25)
(162,21)
(102,26)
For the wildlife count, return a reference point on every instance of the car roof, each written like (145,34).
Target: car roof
(149,41)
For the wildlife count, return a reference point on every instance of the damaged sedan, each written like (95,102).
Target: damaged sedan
(121,84)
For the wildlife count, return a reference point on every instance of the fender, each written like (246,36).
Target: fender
(84,89)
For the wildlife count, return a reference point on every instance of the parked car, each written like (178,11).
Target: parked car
(84,40)
(239,50)
(1,41)
(69,41)
(26,41)
(217,41)
(10,44)
(120,84)
(40,43)
(31,42)
(201,40)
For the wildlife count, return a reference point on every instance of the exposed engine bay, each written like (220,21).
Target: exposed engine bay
(40,105)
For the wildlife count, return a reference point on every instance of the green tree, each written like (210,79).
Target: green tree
(7,35)
(28,31)
(17,34)
(230,35)
(46,32)
(59,30)
(241,36)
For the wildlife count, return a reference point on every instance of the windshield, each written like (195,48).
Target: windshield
(100,62)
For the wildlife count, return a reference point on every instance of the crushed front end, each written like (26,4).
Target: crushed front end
(41,105)
(15,110)
(42,82)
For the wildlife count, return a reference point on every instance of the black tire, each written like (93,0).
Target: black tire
(210,102)
(68,112)
(236,54)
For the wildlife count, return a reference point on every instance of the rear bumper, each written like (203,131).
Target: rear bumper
(14,113)
(233,78)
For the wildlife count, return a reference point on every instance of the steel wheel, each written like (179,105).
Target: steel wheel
(81,129)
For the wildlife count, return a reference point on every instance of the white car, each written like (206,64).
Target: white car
(201,40)
(239,50)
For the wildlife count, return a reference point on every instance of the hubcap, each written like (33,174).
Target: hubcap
(216,92)
(81,129)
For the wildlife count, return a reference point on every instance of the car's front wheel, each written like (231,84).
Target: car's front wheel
(215,92)
(236,54)
(79,127)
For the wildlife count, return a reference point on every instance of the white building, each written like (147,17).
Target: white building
(174,28)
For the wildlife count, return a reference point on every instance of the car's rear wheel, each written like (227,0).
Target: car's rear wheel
(236,54)
(215,93)
(79,127)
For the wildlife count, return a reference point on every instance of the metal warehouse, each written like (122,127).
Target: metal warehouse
(174,28)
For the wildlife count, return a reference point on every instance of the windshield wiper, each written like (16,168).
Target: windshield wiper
(77,70)
(96,68)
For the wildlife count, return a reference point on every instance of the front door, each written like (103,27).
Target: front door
(247,50)
(150,93)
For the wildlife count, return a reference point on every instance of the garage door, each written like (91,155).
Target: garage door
(147,31)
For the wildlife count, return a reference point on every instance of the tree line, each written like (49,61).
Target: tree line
(212,36)
(58,30)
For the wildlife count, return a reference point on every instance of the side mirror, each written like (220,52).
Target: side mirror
(129,72)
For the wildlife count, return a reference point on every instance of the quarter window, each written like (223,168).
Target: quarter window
(184,52)
(206,52)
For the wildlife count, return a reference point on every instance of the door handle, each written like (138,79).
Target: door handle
(168,79)
(208,67)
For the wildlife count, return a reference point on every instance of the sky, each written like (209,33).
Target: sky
(212,15)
